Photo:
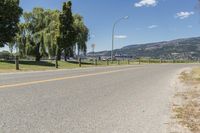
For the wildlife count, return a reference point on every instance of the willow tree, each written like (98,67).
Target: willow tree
(34,34)
(38,33)
(82,34)
(51,32)
(10,13)
(21,39)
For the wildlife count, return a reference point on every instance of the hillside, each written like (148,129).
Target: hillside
(187,48)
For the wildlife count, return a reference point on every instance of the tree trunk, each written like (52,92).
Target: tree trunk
(58,54)
(71,52)
(37,53)
(65,52)
(38,57)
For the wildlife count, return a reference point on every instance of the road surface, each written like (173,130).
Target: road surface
(126,99)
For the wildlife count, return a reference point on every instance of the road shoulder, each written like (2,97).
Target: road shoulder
(185,110)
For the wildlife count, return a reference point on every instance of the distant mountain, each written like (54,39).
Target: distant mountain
(186,48)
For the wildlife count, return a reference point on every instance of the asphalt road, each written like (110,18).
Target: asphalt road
(128,99)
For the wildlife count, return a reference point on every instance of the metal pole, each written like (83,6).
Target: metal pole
(113,38)
(95,62)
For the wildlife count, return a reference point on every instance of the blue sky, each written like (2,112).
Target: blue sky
(149,20)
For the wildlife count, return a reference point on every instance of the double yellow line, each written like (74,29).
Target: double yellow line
(61,78)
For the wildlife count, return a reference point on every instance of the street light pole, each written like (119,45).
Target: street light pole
(113,34)
(93,47)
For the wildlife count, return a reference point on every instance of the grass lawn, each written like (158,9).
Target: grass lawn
(9,66)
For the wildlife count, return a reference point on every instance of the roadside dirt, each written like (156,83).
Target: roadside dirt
(186,103)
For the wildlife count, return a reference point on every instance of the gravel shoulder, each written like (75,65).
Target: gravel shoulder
(185,109)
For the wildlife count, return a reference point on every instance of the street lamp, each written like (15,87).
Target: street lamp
(113,33)
(93,47)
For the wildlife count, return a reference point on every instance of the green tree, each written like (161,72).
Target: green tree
(33,31)
(21,39)
(10,13)
(38,34)
(82,33)
(67,33)
(51,32)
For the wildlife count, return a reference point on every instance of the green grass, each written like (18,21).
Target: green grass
(9,66)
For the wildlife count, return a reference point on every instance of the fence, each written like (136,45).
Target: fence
(95,62)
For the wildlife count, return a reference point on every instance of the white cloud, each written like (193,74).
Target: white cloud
(183,15)
(152,26)
(146,3)
(120,36)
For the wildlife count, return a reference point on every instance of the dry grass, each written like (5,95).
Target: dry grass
(188,115)
(188,112)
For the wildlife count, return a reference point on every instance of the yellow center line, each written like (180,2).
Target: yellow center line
(61,78)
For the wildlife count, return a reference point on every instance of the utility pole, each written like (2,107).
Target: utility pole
(93,47)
